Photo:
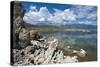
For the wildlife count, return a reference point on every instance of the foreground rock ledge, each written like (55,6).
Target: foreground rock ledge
(41,53)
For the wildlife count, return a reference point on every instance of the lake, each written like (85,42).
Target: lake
(77,40)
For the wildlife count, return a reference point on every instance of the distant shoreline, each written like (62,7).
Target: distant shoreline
(63,30)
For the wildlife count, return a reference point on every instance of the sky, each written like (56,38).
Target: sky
(59,14)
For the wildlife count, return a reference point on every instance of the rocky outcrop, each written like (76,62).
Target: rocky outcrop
(24,40)
(21,36)
(80,53)
(40,53)
(18,23)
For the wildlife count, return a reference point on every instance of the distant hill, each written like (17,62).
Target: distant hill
(40,25)
(67,26)
(79,26)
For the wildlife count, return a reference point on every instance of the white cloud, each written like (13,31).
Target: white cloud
(87,12)
(44,12)
(63,17)
(58,17)
(34,17)
(87,22)
(92,16)
(69,15)
(33,8)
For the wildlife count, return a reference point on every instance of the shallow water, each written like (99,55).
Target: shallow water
(77,40)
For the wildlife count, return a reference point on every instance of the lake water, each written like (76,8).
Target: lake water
(77,40)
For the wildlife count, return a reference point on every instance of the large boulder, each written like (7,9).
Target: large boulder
(23,38)
(34,35)
(17,26)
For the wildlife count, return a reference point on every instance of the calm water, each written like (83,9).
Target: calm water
(78,40)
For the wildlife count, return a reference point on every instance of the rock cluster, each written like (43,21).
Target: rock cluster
(17,24)
(40,53)
(21,36)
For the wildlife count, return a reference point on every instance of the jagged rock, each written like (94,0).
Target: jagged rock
(24,34)
(37,43)
(36,54)
(81,53)
(69,59)
(34,35)
(60,57)
(32,32)
(18,23)
(17,26)
(49,53)
(23,38)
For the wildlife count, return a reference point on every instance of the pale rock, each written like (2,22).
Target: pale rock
(82,53)
(75,58)
(48,54)
(68,47)
(36,52)
(37,43)
(60,57)
(75,51)
(69,59)
(52,46)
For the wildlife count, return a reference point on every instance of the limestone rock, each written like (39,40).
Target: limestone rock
(23,38)
(69,59)
(17,23)
(17,26)
(81,53)
(37,54)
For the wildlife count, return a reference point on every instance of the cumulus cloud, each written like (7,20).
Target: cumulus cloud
(34,16)
(75,14)
(86,12)
(44,13)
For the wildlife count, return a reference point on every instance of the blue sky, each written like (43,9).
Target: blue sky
(50,6)
(59,14)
